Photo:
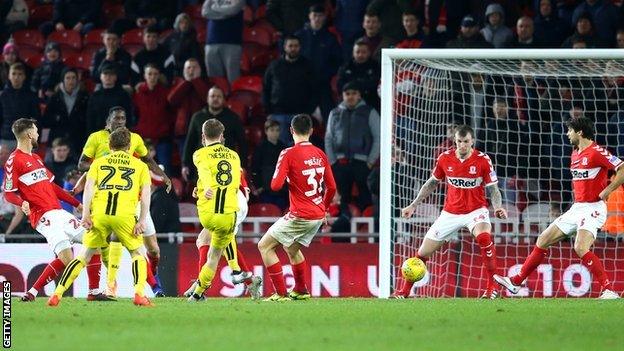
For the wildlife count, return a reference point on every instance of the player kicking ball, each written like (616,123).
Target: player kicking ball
(468,172)
(241,273)
(311,188)
(29,185)
(219,170)
(114,185)
(589,165)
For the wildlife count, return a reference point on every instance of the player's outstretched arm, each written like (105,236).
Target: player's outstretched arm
(151,164)
(139,227)
(497,200)
(423,193)
(617,181)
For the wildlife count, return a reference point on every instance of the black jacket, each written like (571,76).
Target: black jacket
(263,165)
(164,210)
(290,87)
(101,101)
(47,76)
(183,45)
(122,62)
(475,42)
(366,75)
(160,56)
(16,104)
(64,124)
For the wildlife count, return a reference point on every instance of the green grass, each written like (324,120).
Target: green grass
(321,324)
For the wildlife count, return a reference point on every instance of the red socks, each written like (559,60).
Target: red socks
(488,255)
(535,258)
(277,277)
(52,270)
(93,272)
(151,280)
(243,265)
(203,257)
(407,286)
(593,263)
(153,263)
(300,271)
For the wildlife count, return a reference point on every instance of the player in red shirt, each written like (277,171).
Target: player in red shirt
(589,165)
(311,187)
(468,172)
(29,185)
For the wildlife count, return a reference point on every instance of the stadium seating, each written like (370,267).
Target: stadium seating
(70,41)
(253,135)
(240,109)
(257,35)
(40,14)
(34,61)
(29,38)
(81,60)
(222,83)
(248,83)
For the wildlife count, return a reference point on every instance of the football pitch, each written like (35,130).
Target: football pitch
(320,324)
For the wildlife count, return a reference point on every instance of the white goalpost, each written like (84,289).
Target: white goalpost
(517,101)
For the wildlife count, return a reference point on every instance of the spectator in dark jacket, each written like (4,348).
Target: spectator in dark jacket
(79,15)
(413,38)
(154,116)
(469,36)
(224,37)
(605,16)
(48,75)
(66,112)
(548,26)
(182,42)
(389,12)
(584,31)
(495,31)
(59,160)
(112,53)
(145,13)
(525,35)
(321,48)
(348,21)
(154,53)
(164,210)
(372,36)
(289,87)
(352,144)
(263,164)
(16,101)
(187,96)
(362,70)
(288,16)
(109,94)
(234,134)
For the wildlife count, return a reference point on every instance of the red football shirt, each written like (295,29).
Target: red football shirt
(27,174)
(589,172)
(466,180)
(310,179)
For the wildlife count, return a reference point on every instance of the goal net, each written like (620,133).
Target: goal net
(517,102)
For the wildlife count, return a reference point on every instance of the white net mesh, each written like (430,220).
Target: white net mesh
(518,109)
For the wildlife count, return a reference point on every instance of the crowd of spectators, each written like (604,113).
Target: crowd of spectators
(255,64)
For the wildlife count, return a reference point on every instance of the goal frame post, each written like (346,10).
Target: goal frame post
(387,94)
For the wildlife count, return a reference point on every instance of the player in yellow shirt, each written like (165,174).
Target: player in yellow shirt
(96,147)
(218,168)
(114,184)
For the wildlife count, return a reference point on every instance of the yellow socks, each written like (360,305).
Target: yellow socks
(114,260)
(230,254)
(139,272)
(205,279)
(69,275)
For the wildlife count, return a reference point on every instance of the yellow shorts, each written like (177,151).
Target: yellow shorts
(103,225)
(221,227)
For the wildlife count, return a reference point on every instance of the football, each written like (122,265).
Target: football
(413,269)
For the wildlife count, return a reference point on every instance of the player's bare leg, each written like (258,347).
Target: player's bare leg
(267,246)
(582,245)
(207,273)
(481,233)
(300,271)
(546,239)
(427,248)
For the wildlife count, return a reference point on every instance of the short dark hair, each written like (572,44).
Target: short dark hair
(213,128)
(21,125)
(316,9)
(582,124)
(60,142)
(360,42)
(18,66)
(463,130)
(119,139)
(291,37)
(113,110)
(301,124)
(270,123)
(151,65)
(153,29)
(111,30)
(411,12)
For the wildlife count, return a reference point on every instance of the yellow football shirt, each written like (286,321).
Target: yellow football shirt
(218,168)
(97,145)
(119,178)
